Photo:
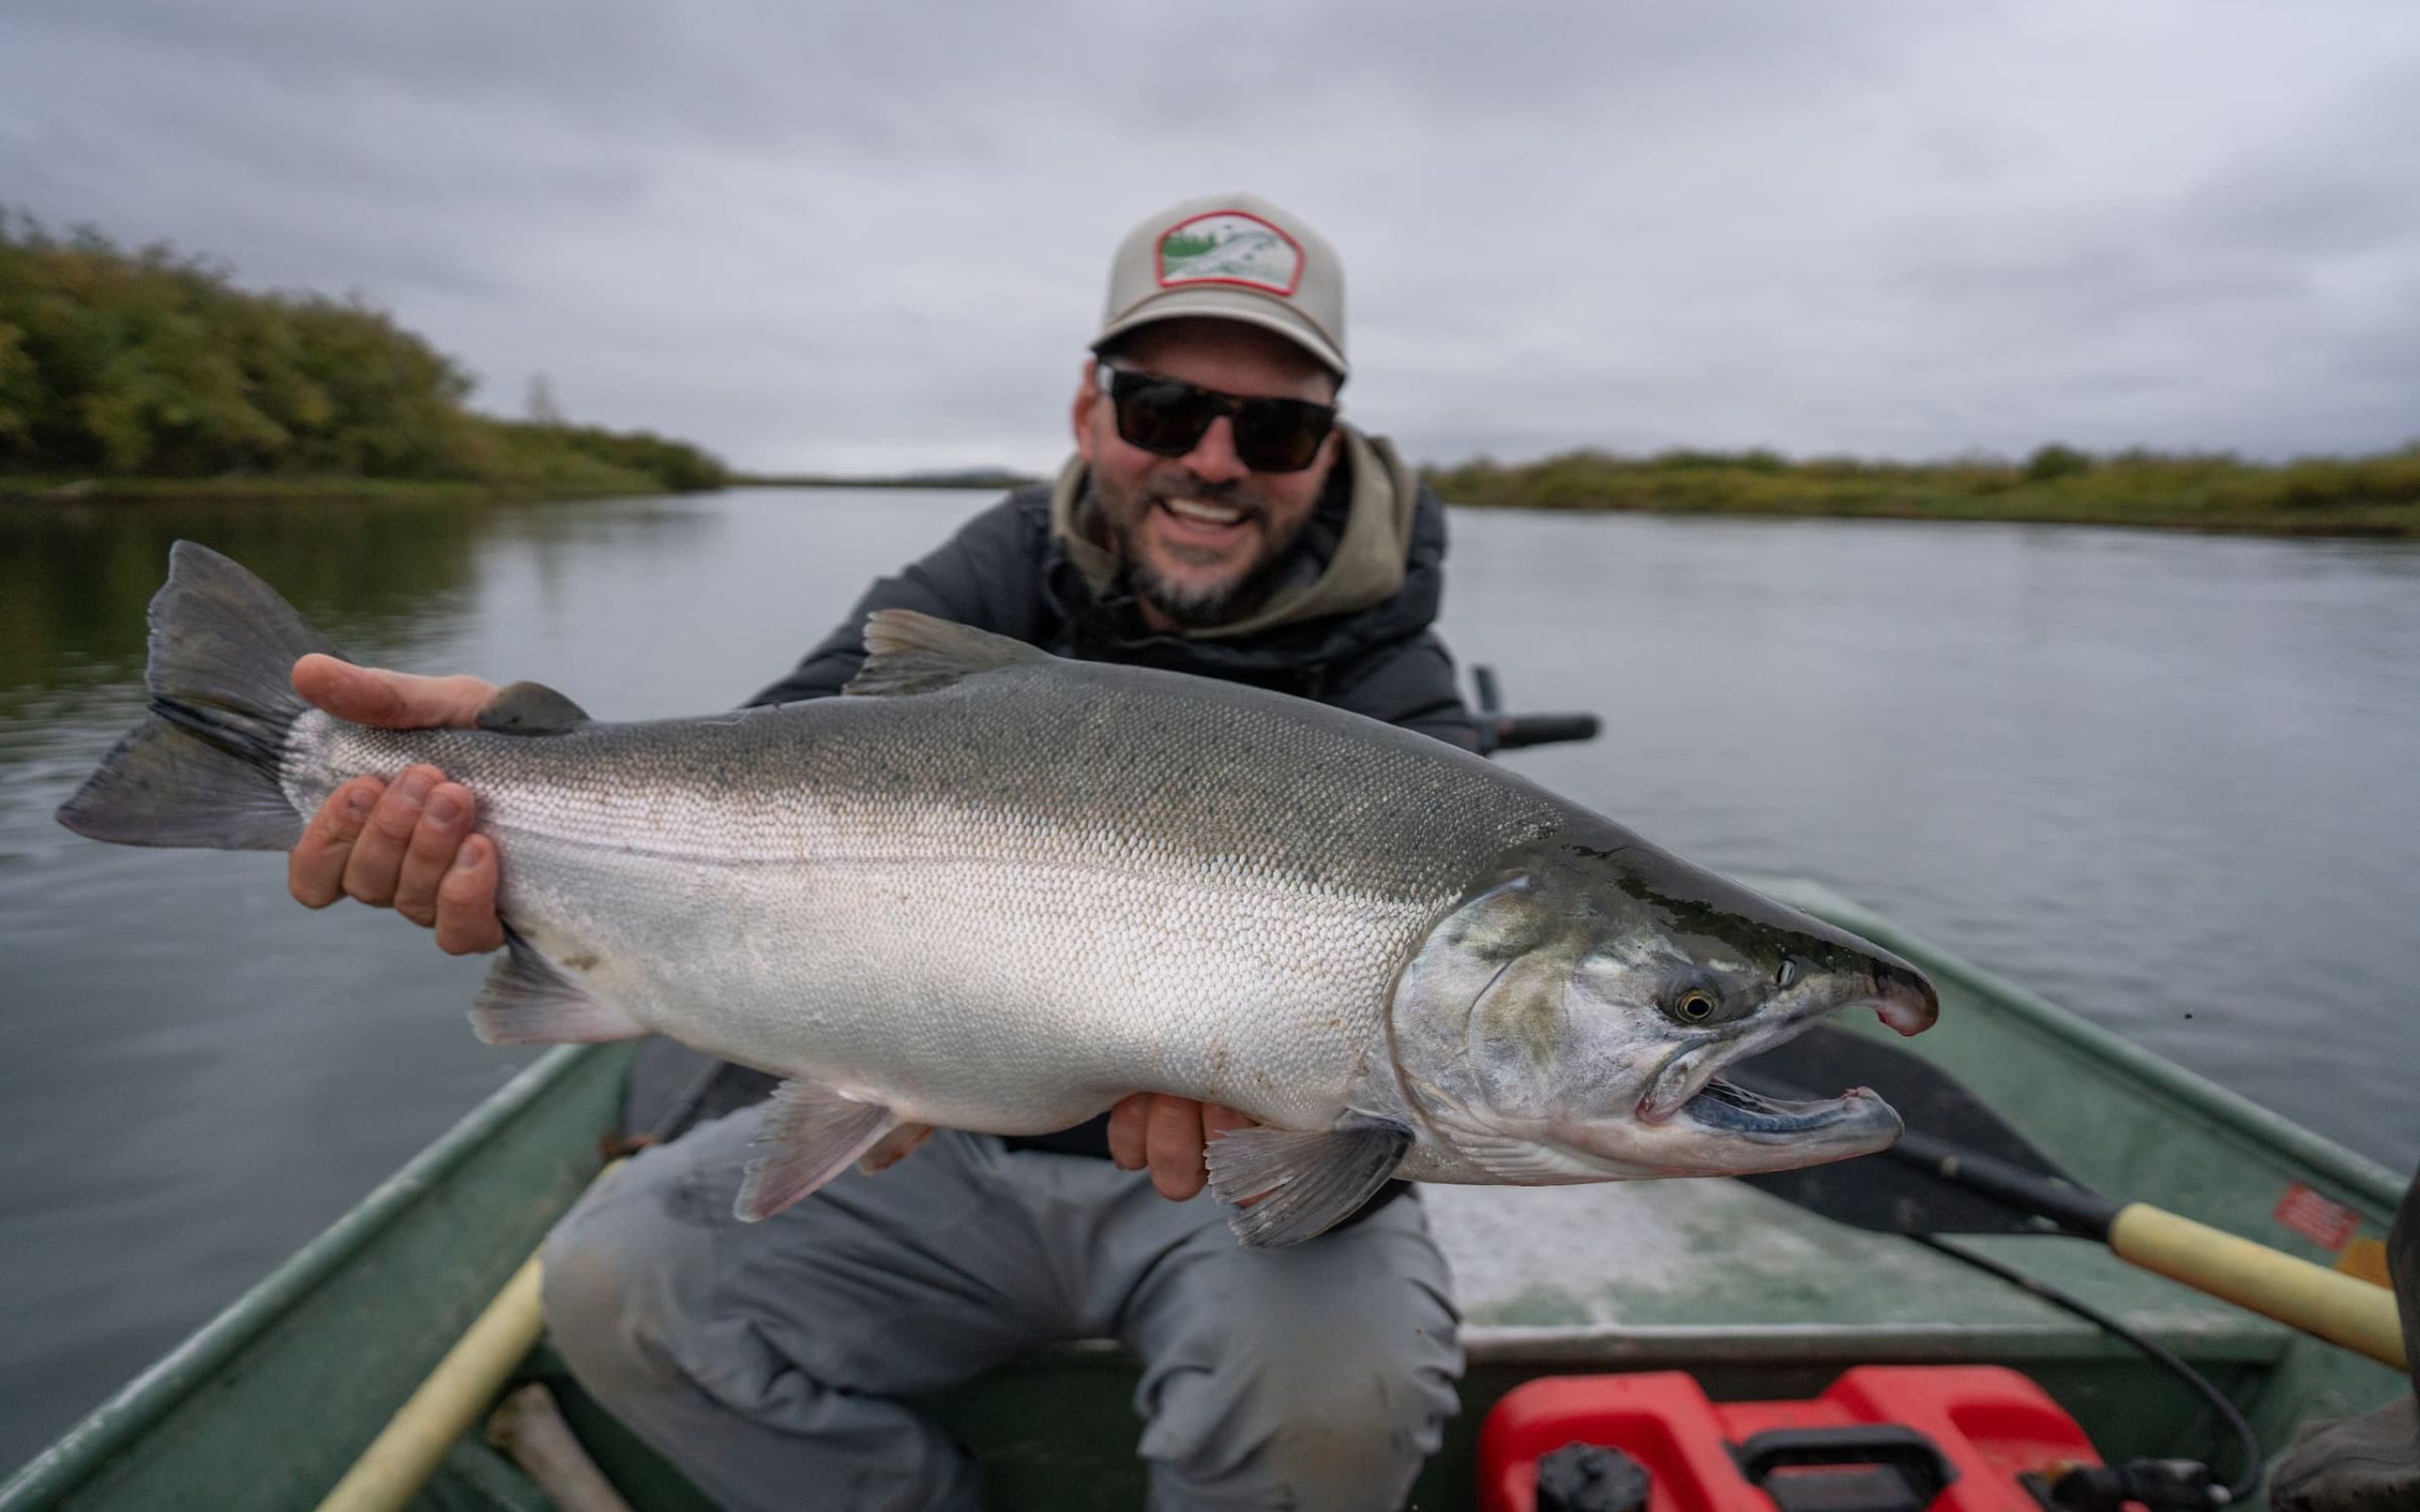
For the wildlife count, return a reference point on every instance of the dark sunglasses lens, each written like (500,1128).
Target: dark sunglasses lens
(1281,435)
(1161,415)
(1170,416)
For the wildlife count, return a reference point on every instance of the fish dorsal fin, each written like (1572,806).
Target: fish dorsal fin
(907,652)
(530,709)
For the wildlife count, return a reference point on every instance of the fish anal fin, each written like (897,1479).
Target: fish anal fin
(528,1000)
(530,709)
(907,652)
(1306,1183)
(811,1134)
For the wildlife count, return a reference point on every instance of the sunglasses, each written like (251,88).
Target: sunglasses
(1169,416)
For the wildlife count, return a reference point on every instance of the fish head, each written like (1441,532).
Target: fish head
(1568,1018)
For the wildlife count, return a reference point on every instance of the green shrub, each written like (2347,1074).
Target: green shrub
(153,364)
(2055,461)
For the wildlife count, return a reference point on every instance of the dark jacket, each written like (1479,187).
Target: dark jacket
(1005,571)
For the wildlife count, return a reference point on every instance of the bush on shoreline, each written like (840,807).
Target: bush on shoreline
(2365,495)
(152,364)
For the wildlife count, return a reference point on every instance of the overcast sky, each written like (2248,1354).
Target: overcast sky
(862,236)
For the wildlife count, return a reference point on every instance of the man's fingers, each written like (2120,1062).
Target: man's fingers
(1217,1120)
(377,860)
(1128,1122)
(315,867)
(444,821)
(1176,1147)
(392,700)
(466,920)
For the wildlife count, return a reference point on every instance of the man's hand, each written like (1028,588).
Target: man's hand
(1168,1134)
(406,844)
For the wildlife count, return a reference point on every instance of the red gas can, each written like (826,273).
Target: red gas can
(1975,1427)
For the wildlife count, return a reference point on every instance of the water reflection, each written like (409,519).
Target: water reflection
(74,582)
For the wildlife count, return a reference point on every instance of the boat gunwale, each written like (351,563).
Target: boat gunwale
(2224,1110)
(142,1402)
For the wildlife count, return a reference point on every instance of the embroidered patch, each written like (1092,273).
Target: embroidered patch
(1229,247)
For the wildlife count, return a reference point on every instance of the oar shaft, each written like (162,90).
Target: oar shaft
(2335,1307)
(406,1452)
(391,1471)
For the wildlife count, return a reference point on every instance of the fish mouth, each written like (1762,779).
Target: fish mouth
(1726,1107)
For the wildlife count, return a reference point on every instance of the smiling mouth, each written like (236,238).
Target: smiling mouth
(1199,514)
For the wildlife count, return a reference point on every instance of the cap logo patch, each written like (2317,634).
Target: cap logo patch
(1229,246)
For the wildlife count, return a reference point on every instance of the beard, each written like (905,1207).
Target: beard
(1194,603)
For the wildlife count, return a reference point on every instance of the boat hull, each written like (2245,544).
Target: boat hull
(268,1404)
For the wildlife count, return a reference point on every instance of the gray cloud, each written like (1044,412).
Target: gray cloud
(867,235)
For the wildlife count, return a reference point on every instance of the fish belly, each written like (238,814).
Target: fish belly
(987,993)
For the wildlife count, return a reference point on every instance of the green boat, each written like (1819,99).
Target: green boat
(267,1405)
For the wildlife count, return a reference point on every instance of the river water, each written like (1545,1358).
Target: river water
(2167,781)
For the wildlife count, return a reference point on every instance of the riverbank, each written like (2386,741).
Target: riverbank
(985,479)
(61,492)
(132,375)
(2373,497)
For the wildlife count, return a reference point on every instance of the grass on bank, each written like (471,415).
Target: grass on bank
(2360,496)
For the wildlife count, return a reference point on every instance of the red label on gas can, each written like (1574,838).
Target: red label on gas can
(2327,1224)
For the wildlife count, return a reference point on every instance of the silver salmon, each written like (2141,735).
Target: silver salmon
(995,890)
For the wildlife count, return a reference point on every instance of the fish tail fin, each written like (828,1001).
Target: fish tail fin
(202,767)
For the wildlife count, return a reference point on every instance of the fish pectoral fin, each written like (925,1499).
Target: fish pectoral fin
(907,652)
(528,1000)
(1306,1183)
(530,709)
(811,1133)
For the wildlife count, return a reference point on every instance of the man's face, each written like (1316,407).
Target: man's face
(1201,534)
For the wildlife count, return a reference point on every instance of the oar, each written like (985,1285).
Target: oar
(1961,1168)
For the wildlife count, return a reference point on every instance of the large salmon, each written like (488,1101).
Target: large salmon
(995,890)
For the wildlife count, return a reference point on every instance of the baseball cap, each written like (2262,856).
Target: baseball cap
(1230,257)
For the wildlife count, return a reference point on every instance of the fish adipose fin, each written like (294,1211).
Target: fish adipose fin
(1312,1182)
(907,652)
(811,1134)
(528,1000)
(530,709)
(202,769)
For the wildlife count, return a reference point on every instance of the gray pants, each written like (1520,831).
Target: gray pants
(769,1360)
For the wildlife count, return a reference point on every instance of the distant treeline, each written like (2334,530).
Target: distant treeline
(152,364)
(2364,495)
(980,477)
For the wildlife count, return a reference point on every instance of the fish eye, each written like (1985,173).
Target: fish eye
(1695,1005)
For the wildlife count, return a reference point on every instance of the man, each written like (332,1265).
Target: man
(1215,520)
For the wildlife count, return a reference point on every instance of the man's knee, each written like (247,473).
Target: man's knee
(609,1289)
(1284,1430)
(1308,1396)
